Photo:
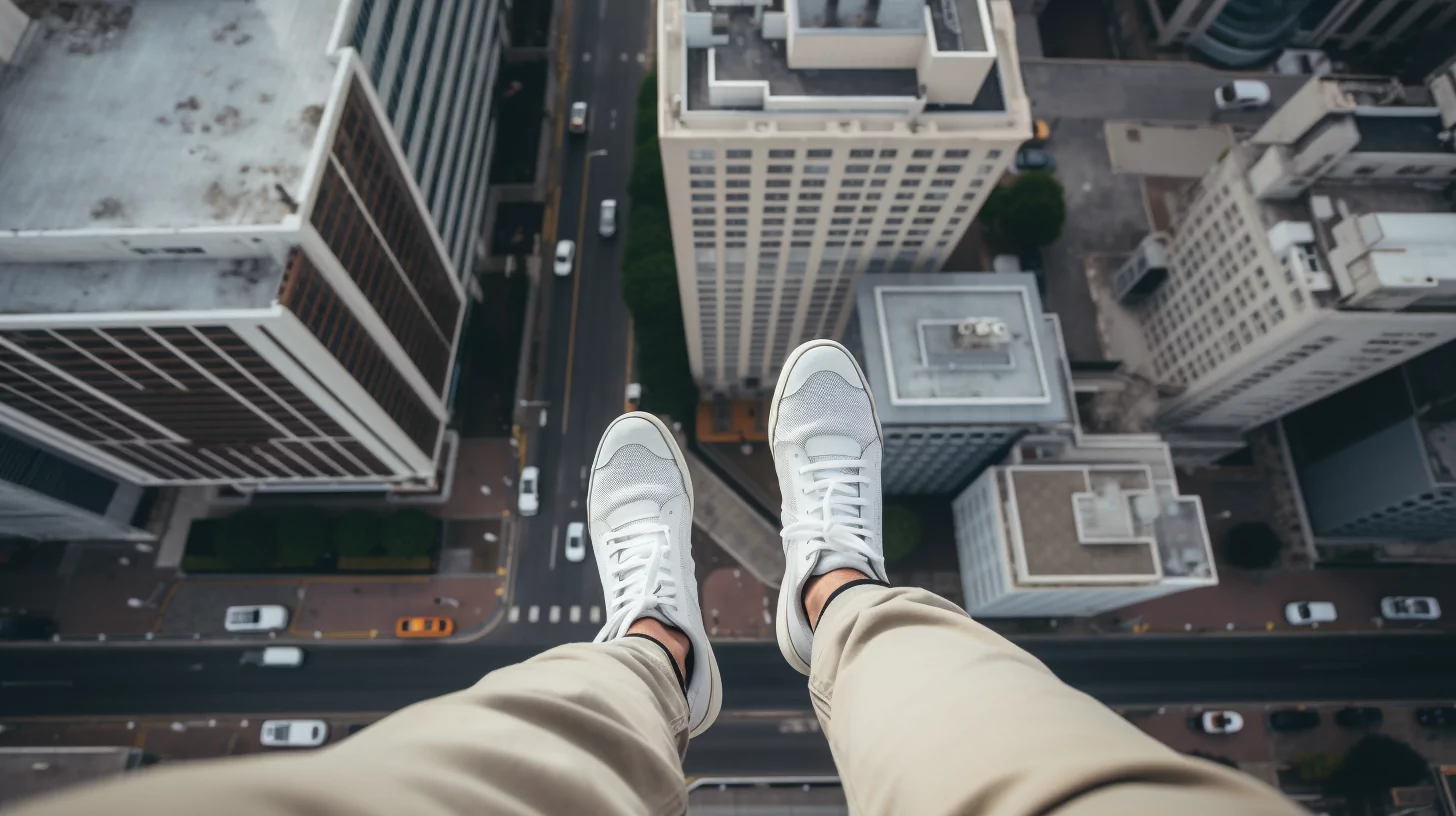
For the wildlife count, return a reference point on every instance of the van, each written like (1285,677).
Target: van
(274,657)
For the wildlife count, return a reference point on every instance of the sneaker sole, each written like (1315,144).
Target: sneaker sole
(781,622)
(715,685)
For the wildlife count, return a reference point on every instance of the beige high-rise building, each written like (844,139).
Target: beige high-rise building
(805,142)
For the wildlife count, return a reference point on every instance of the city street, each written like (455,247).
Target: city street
(585,362)
(1147,670)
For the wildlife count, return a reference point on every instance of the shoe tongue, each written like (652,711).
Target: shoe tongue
(832,446)
(632,511)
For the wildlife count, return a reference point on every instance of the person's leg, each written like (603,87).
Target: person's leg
(595,728)
(926,711)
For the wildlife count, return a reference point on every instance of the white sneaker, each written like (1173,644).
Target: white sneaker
(640,508)
(827,444)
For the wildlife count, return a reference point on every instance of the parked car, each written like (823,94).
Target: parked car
(1217,722)
(565,257)
(1410,607)
(424,626)
(261,618)
(1359,717)
(634,395)
(1034,158)
(1241,94)
(530,500)
(607,218)
(575,542)
(26,627)
(1437,716)
(577,123)
(1293,719)
(294,733)
(274,657)
(1309,613)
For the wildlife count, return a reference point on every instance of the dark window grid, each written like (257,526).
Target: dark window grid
(455,49)
(469,71)
(134,454)
(376,67)
(44,407)
(361,23)
(50,385)
(237,349)
(234,376)
(405,52)
(115,358)
(310,452)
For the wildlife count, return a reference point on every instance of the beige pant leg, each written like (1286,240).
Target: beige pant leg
(928,712)
(580,729)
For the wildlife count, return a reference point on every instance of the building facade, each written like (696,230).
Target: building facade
(48,497)
(805,142)
(1308,259)
(1243,33)
(962,365)
(241,280)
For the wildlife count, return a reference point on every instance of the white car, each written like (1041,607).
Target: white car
(264,618)
(1242,94)
(1218,722)
(634,395)
(1409,607)
(578,117)
(565,257)
(294,733)
(1309,613)
(607,220)
(530,500)
(575,542)
(274,657)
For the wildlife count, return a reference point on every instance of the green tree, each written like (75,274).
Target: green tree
(247,542)
(410,533)
(1252,545)
(1375,765)
(303,537)
(645,185)
(646,122)
(1314,767)
(902,532)
(648,234)
(356,534)
(1026,214)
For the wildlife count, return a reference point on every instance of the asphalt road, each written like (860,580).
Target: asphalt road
(1116,670)
(586,351)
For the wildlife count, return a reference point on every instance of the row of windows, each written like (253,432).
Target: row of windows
(708,153)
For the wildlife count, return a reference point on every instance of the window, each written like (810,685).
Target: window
(806,210)
(776,197)
(940,168)
(810,196)
(990,154)
(922,153)
(705,210)
(773,222)
(702,170)
(935,196)
(889,153)
(700,154)
(775,210)
(738,184)
(703,196)
(840,221)
(804,222)
(849,196)
(704,222)
(816,169)
(819,153)
(869,208)
(928,208)
(736,210)
(852,183)
(842,209)
(735,222)
(884,168)
(1414,170)
(915,168)
(737,196)
(779,169)
(781,154)
(861,153)
(701,184)
(779,183)
(960,154)
(888,221)
(738,169)
(856,168)
(942,182)
(745,154)
(903,182)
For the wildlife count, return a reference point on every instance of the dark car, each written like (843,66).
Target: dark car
(26,627)
(1034,158)
(1293,719)
(1437,716)
(1359,717)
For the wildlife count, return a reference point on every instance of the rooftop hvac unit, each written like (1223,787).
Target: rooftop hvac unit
(981,333)
(1144,272)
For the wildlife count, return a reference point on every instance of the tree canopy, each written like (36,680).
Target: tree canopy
(1026,214)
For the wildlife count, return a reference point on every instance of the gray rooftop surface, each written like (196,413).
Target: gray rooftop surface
(143,285)
(905,325)
(161,114)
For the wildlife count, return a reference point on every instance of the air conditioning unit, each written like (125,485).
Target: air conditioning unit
(1144,272)
(981,333)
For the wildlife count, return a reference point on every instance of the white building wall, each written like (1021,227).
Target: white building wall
(981,545)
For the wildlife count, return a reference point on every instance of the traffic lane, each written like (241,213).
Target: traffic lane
(774,747)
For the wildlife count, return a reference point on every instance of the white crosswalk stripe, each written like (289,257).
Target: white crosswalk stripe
(596,614)
(534,614)
(574,615)
(555,614)
(514,615)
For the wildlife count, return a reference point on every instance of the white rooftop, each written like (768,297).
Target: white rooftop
(162,114)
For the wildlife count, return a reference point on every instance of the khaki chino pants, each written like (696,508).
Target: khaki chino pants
(926,712)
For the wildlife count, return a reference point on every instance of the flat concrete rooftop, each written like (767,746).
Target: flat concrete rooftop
(162,114)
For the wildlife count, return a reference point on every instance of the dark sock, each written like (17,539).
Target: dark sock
(835,594)
(671,661)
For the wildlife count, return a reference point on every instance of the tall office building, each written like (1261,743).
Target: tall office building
(962,365)
(1312,257)
(805,142)
(233,236)
(48,497)
(1242,33)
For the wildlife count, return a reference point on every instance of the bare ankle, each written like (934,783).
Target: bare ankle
(672,639)
(819,588)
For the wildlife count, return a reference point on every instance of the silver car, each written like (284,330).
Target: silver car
(607,222)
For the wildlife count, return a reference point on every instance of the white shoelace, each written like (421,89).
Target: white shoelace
(835,522)
(636,585)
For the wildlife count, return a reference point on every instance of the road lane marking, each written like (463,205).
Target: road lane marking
(514,615)
(533,614)
(555,530)
(575,615)
(578,265)
(596,614)
(555,614)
